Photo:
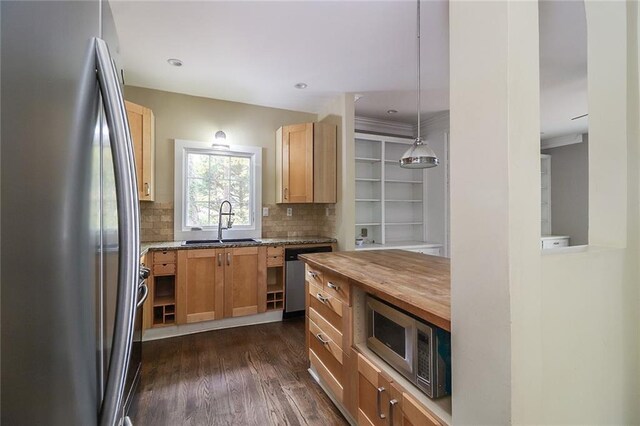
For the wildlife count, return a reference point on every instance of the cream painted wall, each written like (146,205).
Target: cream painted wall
(181,116)
(553,338)
(341,111)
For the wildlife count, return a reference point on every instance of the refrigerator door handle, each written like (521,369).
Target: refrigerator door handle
(129,233)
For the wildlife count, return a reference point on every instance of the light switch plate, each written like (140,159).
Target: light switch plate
(265,211)
(289,211)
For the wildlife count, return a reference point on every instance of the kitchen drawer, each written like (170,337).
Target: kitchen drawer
(549,243)
(326,327)
(337,287)
(325,375)
(273,261)
(275,251)
(313,275)
(329,353)
(330,302)
(164,269)
(167,256)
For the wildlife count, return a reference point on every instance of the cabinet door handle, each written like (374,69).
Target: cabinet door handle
(378,401)
(219,259)
(147,189)
(323,341)
(228,258)
(322,298)
(285,193)
(333,286)
(392,404)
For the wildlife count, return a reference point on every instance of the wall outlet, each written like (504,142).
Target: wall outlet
(326,211)
(289,211)
(265,211)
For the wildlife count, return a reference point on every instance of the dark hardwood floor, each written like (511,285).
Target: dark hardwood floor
(254,375)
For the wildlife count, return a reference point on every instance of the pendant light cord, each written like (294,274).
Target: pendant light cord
(419,103)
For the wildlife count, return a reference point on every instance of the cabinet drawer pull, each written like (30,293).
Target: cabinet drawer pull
(392,404)
(228,258)
(147,189)
(322,298)
(313,274)
(333,286)
(378,401)
(219,259)
(323,341)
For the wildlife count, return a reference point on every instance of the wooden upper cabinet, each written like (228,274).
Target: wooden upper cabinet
(306,163)
(142,126)
(200,283)
(245,281)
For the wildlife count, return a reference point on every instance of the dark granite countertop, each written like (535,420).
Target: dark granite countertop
(283,241)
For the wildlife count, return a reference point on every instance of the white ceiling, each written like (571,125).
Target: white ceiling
(255,51)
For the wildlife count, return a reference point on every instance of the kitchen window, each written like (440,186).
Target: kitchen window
(205,176)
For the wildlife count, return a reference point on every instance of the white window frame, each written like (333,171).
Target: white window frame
(181,231)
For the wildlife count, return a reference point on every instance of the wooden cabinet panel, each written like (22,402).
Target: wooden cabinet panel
(325,178)
(306,158)
(414,413)
(326,376)
(374,392)
(337,287)
(200,285)
(297,163)
(168,256)
(245,281)
(313,276)
(142,127)
(164,269)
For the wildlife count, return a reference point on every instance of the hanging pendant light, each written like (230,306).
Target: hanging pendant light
(419,156)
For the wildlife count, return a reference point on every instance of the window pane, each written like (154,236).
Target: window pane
(212,179)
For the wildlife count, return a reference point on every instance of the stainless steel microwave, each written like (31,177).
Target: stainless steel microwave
(419,351)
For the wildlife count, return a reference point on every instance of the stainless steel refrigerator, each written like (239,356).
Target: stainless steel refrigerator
(69,217)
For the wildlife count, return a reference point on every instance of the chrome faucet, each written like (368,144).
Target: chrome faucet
(229,215)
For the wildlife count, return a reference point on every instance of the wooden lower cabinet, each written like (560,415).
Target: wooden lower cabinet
(220,283)
(200,285)
(382,402)
(245,281)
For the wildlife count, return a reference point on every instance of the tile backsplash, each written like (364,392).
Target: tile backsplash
(156,221)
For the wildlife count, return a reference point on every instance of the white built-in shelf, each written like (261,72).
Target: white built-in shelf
(389,200)
(417,182)
(368,160)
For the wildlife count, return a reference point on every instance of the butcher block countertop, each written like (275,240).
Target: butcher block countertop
(418,283)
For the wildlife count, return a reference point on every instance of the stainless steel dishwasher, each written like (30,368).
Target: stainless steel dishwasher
(294,285)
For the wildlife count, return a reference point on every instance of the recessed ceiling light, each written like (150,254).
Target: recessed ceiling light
(392,111)
(175,62)
(300,85)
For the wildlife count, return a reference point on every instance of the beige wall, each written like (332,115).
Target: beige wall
(194,118)
(555,336)
(341,112)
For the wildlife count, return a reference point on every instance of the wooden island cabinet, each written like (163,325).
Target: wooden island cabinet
(367,390)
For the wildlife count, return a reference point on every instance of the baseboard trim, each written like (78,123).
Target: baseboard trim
(200,327)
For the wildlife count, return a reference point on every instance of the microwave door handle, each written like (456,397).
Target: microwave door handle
(379,402)
(128,232)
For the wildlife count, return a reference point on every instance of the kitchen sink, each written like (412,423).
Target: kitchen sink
(223,241)
(196,242)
